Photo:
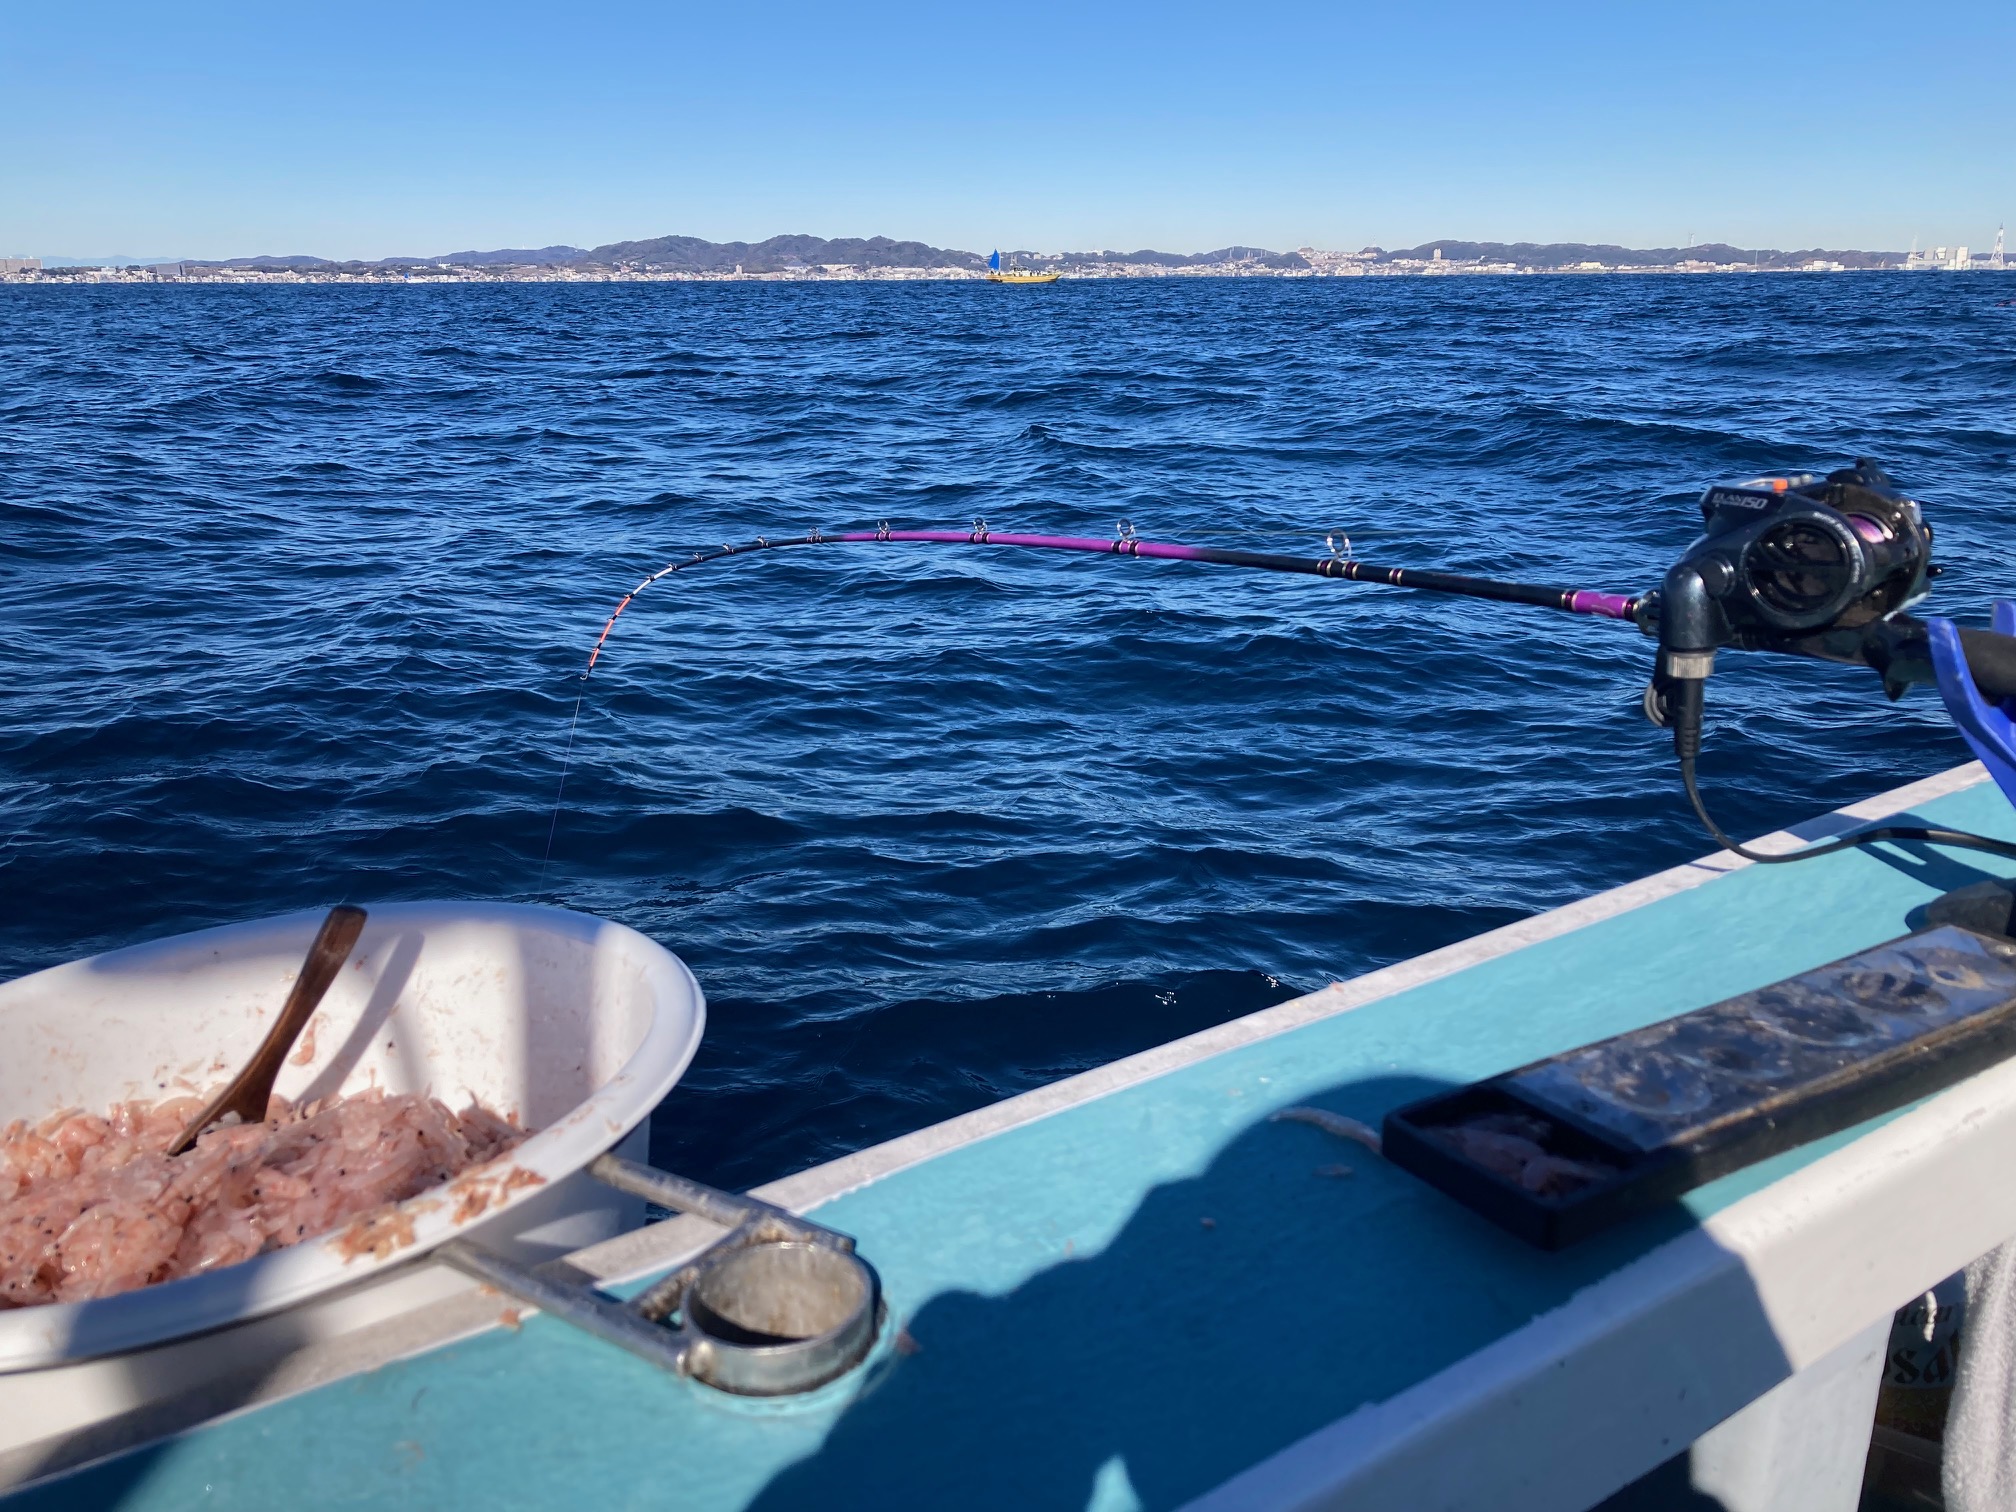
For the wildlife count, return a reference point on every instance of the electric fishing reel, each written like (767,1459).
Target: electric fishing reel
(1800,564)
(1821,567)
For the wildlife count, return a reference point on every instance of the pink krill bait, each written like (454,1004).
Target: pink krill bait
(90,1206)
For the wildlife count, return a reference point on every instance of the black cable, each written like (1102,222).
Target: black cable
(1954,839)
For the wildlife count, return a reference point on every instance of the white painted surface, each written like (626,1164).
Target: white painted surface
(1802,1446)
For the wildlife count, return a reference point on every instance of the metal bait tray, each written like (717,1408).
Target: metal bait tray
(1573,1144)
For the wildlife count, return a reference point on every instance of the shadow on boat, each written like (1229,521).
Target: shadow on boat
(1939,870)
(1236,1312)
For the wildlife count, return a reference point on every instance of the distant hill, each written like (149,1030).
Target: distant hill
(1569,254)
(296,261)
(783,254)
(544,257)
(1148,259)
(510,257)
(778,254)
(116,260)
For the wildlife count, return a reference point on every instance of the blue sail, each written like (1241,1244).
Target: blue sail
(994,261)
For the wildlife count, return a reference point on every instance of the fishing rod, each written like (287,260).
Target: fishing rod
(1797,564)
(1338,564)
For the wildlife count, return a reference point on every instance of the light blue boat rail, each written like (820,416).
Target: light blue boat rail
(1133,1289)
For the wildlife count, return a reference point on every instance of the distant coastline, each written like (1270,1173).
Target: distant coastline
(687,259)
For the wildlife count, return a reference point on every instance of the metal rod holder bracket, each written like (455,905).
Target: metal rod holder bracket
(778,1305)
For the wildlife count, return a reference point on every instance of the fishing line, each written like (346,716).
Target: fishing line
(566,762)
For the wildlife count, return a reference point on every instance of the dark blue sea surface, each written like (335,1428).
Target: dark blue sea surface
(296,584)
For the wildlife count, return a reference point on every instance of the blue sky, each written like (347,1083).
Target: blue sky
(184,128)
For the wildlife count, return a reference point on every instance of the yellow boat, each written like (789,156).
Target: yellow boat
(997,274)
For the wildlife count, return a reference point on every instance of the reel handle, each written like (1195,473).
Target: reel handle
(1959,658)
(1991,662)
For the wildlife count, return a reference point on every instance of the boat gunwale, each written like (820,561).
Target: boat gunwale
(1752,1242)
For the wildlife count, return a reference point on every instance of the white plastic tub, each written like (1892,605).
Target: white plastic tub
(576,1025)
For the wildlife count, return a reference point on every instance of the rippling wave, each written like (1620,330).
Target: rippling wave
(298,582)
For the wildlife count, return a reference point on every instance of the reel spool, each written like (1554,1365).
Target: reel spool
(1798,564)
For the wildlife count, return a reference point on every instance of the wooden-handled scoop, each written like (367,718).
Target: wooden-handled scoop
(251,1089)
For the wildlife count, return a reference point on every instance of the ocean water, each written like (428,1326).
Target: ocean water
(296,585)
